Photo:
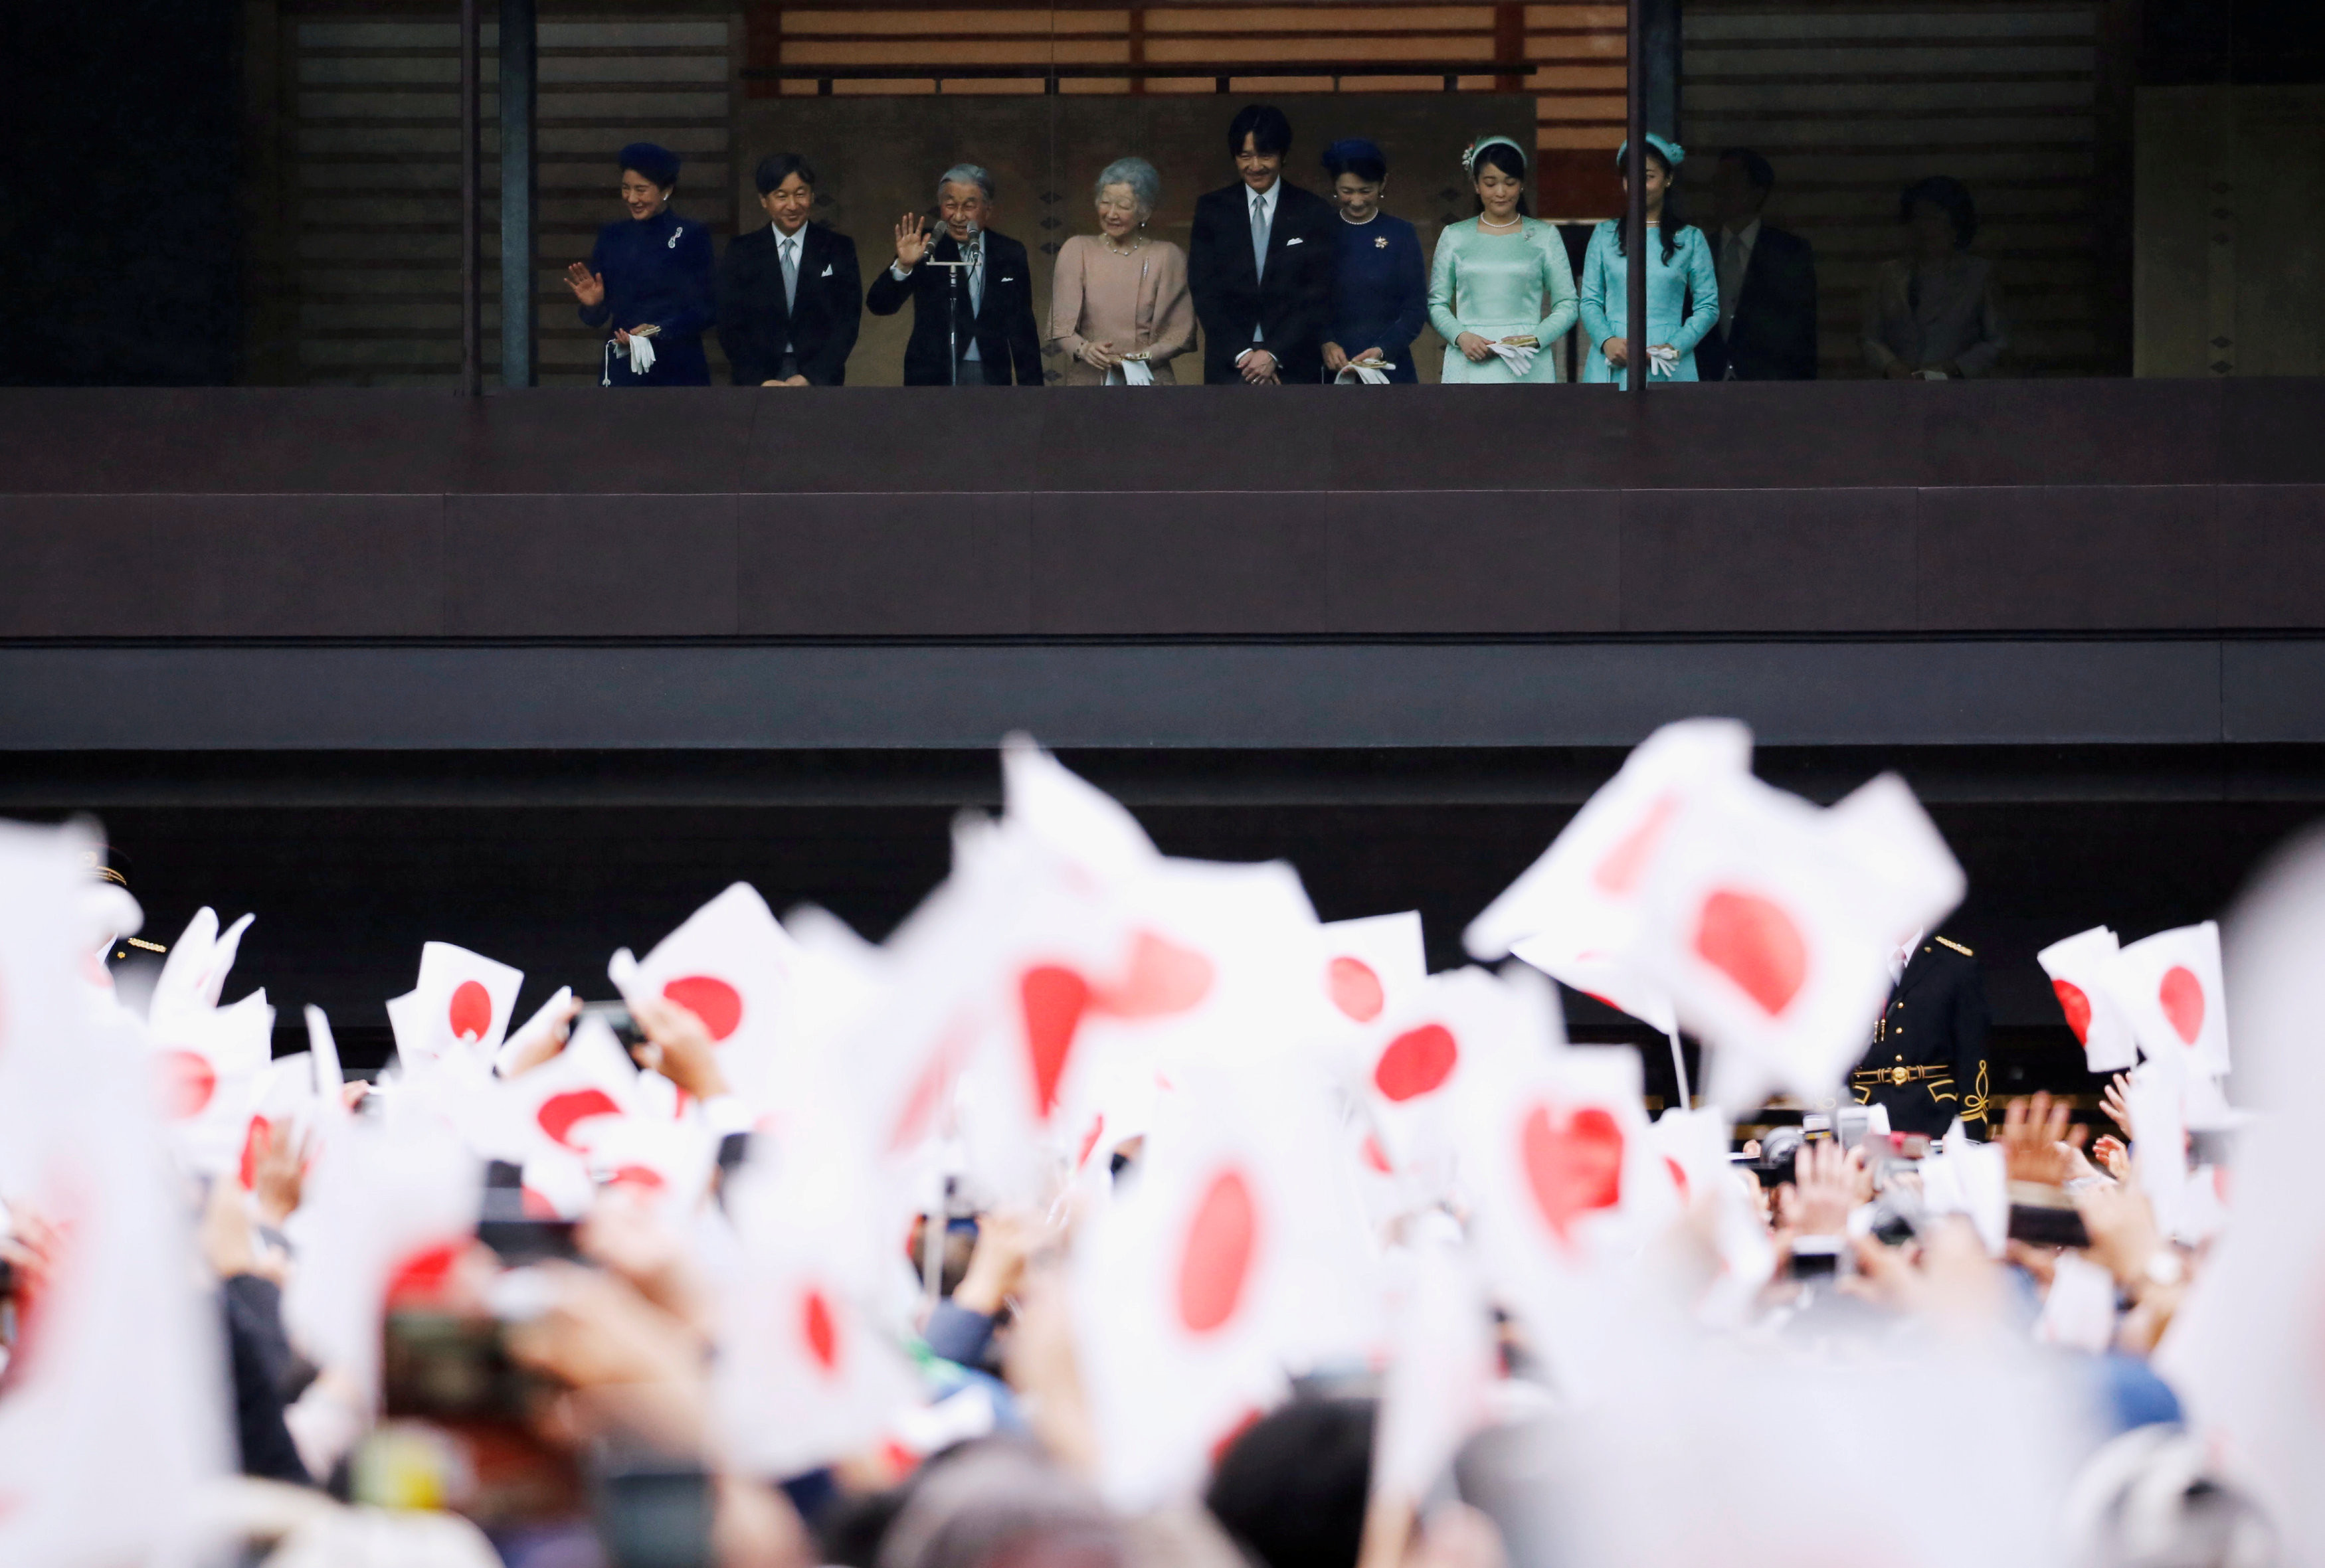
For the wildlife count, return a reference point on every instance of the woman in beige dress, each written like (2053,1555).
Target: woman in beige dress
(1120,295)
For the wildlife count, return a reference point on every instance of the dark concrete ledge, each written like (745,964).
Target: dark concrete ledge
(2180,692)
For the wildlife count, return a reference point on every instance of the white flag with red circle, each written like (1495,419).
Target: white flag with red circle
(384,1206)
(2082,971)
(2169,987)
(1601,976)
(463,1001)
(730,964)
(1567,1185)
(116,1412)
(1175,1328)
(1373,965)
(207,1065)
(1584,892)
(1452,1029)
(559,1104)
(805,1375)
(1770,923)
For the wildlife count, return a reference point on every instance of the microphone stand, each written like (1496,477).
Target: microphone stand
(952,302)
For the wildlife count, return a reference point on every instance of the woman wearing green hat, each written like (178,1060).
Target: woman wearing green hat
(1682,284)
(1500,290)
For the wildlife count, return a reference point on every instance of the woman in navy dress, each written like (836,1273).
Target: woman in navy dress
(1380,289)
(652,270)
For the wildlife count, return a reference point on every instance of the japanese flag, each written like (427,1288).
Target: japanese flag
(1601,976)
(1455,1027)
(114,1414)
(1441,1369)
(382,1204)
(194,973)
(1770,923)
(557,1105)
(1585,890)
(463,998)
(730,964)
(1373,965)
(1238,1250)
(2246,1350)
(805,1376)
(209,1063)
(2082,971)
(1567,1186)
(2169,987)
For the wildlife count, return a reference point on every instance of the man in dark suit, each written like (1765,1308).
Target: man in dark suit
(971,289)
(790,298)
(1767,329)
(1259,263)
(1927,1062)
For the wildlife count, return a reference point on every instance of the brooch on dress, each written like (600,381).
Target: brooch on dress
(1380,242)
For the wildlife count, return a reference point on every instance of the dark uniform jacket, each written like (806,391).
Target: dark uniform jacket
(1772,334)
(657,272)
(1290,303)
(1002,324)
(1927,1063)
(820,323)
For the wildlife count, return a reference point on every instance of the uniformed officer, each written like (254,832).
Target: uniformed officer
(1927,1062)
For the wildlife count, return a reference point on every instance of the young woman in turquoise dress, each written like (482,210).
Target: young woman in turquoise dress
(1498,277)
(1682,284)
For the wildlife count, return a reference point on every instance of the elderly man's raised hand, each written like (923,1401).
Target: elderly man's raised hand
(913,237)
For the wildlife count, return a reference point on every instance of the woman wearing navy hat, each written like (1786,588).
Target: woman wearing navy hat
(1682,284)
(651,278)
(1379,296)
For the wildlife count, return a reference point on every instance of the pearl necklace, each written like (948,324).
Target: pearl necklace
(1486,223)
(1136,245)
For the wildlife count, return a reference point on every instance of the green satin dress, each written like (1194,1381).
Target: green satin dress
(1497,286)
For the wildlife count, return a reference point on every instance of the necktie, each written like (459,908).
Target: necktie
(1258,237)
(791,272)
(975,257)
(1731,276)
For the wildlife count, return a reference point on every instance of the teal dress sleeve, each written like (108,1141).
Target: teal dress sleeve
(1599,265)
(1703,284)
(1441,269)
(1557,282)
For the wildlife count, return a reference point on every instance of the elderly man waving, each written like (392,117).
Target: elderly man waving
(971,288)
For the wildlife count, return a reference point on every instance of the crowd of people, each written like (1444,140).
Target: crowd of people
(1115,1211)
(1288,287)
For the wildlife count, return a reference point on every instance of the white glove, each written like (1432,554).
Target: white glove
(1662,359)
(1517,355)
(1135,373)
(641,352)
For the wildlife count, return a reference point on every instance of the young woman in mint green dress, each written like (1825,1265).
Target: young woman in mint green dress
(1679,269)
(1499,275)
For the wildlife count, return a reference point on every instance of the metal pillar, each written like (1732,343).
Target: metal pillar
(520,77)
(1634,218)
(472,358)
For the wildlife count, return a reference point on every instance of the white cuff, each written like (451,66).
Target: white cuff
(900,273)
